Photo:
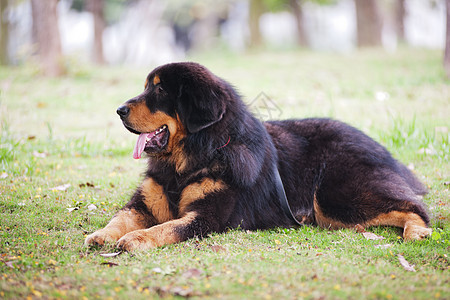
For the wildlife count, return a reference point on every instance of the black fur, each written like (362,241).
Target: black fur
(353,177)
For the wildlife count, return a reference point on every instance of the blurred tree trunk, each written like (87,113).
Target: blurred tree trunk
(4,33)
(400,14)
(447,41)
(46,36)
(96,7)
(296,7)
(368,23)
(256,11)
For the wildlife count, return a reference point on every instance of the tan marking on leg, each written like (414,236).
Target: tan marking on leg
(414,228)
(156,200)
(123,222)
(156,236)
(198,191)
(324,221)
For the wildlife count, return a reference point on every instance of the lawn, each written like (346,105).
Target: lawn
(66,168)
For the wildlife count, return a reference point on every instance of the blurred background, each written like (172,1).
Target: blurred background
(66,65)
(152,32)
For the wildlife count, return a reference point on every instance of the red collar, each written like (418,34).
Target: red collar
(223,146)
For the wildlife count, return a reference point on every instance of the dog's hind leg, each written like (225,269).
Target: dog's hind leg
(414,227)
(404,214)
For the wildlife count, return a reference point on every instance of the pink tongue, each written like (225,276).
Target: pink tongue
(140,144)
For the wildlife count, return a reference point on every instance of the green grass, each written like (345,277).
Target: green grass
(64,131)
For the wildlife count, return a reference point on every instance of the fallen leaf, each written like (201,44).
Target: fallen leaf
(61,187)
(385,246)
(372,236)
(405,264)
(91,207)
(87,184)
(41,104)
(359,228)
(109,264)
(182,291)
(110,254)
(157,270)
(3,175)
(71,209)
(40,154)
(10,264)
(37,293)
(192,273)
(217,248)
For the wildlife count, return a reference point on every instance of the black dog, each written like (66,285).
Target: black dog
(212,166)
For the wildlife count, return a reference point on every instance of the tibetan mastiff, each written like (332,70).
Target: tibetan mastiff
(212,166)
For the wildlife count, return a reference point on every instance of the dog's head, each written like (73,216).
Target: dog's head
(179,99)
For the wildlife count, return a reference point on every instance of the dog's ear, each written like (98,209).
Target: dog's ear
(200,107)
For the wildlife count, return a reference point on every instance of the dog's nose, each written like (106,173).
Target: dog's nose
(123,111)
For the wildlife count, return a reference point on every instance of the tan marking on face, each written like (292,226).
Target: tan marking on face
(146,83)
(156,80)
(157,236)
(142,120)
(156,201)
(178,157)
(125,221)
(197,191)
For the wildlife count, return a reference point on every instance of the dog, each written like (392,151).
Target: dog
(213,166)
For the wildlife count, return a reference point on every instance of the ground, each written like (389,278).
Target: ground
(67,166)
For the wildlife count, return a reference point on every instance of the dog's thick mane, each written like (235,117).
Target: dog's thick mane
(229,147)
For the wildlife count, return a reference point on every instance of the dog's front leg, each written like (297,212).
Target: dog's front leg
(147,207)
(200,211)
(188,226)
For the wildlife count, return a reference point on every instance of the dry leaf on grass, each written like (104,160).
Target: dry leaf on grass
(61,187)
(39,154)
(110,254)
(372,236)
(405,264)
(217,248)
(109,264)
(185,291)
(192,273)
(385,246)
(91,207)
(359,228)
(87,184)
(368,235)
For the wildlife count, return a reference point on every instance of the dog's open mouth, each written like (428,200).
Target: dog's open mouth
(154,141)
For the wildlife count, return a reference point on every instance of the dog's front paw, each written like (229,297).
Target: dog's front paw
(136,240)
(101,237)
